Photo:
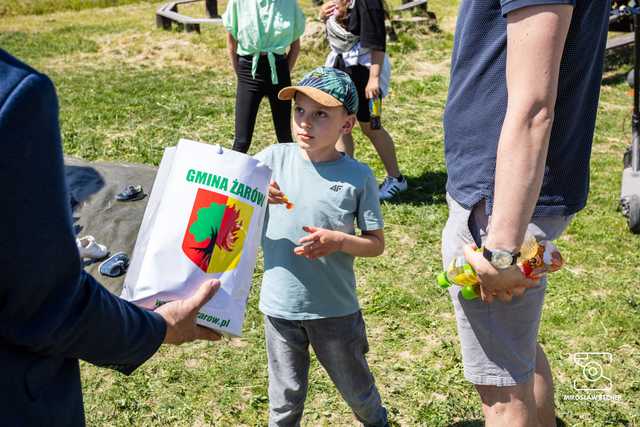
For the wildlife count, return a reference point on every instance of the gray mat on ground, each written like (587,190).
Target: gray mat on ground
(93,187)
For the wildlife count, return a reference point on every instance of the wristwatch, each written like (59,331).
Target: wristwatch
(500,259)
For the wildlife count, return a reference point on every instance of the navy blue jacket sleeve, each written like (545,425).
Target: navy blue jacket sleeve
(48,304)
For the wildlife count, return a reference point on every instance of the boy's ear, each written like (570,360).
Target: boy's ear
(349,123)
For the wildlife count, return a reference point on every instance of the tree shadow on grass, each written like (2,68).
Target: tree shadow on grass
(617,58)
(426,189)
(616,78)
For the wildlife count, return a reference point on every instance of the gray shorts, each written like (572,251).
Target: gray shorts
(498,340)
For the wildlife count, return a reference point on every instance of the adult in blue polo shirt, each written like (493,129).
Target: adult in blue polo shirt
(519,123)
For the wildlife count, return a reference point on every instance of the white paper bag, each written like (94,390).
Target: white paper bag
(203,220)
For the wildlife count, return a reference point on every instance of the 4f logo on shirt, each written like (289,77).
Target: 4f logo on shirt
(215,234)
(336,188)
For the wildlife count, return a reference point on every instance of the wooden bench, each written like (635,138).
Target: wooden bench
(167,15)
(410,5)
(419,10)
(620,41)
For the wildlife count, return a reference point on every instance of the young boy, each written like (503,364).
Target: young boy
(308,290)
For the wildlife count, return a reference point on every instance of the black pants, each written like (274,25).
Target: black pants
(360,76)
(250,92)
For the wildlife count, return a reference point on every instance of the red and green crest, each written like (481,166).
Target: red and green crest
(215,235)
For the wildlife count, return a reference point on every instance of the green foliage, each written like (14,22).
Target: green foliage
(405,44)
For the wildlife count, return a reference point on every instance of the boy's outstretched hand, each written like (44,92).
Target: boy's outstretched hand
(276,197)
(320,242)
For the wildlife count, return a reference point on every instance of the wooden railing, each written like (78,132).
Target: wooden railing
(167,15)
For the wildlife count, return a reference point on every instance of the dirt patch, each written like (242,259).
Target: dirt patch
(146,50)
(130,15)
(192,363)
(576,271)
(238,342)
(439,396)
(314,35)
(448,23)
(600,293)
(416,67)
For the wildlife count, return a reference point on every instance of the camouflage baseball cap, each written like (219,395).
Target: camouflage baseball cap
(327,86)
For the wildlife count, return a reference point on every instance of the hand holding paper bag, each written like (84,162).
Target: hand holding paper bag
(181,316)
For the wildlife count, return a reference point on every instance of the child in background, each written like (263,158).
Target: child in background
(356,33)
(308,292)
(259,33)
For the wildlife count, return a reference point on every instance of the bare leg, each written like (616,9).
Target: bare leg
(512,406)
(523,405)
(543,390)
(345,144)
(385,147)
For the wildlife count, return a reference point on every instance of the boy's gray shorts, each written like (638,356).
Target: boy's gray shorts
(498,340)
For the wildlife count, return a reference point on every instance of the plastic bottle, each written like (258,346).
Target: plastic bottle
(460,273)
(375,111)
(536,260)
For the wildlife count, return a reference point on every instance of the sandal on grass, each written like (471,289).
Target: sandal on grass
(131,193)
(89,248)
(115,266)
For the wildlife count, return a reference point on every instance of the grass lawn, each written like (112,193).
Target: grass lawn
(127,90)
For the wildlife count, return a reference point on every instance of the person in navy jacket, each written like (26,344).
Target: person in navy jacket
(52,313)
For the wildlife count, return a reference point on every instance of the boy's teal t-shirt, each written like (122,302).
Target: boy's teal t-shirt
(333,195)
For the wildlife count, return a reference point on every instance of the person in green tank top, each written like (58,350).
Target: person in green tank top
(263,42)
